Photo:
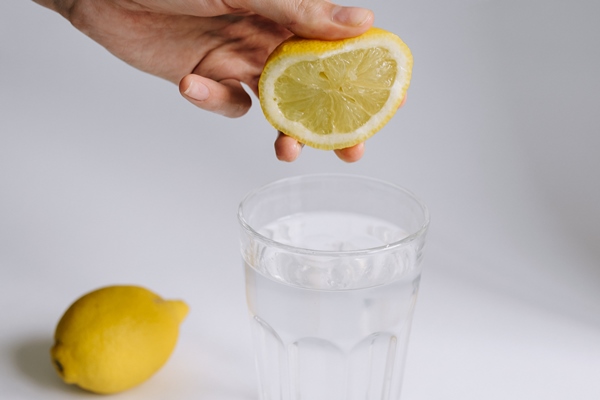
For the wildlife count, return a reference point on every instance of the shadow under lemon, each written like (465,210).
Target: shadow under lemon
(32,358)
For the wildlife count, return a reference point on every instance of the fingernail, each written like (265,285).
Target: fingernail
(350,16)
(299,147)
(197,91)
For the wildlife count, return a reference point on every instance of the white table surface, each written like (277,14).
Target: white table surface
(108,176)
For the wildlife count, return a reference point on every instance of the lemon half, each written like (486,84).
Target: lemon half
(335,94)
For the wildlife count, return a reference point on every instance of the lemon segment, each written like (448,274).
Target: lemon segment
(115,338)
(335,94)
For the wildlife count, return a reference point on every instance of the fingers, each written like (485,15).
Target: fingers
(312,18)
(288,149)
(351,154)
(226,97)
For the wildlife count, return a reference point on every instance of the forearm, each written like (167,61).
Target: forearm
(60,6)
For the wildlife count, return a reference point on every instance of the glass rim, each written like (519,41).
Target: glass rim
(358,252)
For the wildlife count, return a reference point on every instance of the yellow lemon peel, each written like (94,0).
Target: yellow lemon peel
(116,337)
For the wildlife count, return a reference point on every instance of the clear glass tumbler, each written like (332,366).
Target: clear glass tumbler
(332,266)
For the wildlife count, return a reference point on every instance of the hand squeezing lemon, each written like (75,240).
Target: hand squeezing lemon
(115,338)
(335,94)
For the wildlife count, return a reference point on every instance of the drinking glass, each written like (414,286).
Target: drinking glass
(332,265)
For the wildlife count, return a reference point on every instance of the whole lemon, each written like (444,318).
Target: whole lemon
(116,337)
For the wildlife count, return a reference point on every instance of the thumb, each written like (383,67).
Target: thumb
(317,19)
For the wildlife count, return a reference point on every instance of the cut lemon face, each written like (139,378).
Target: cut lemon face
(335,94)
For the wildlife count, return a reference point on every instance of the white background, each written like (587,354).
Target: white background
(108,176)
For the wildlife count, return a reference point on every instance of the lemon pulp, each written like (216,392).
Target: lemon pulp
(315,93)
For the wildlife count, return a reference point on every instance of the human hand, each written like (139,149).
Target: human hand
(210,47)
